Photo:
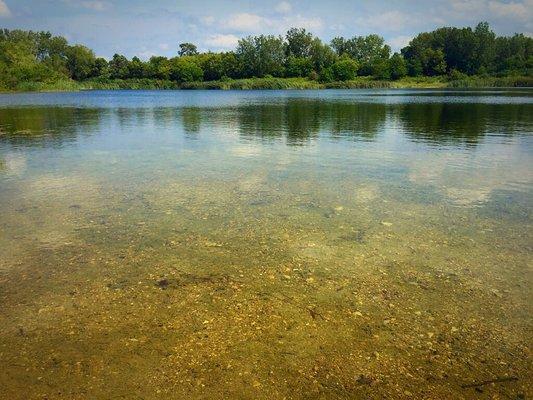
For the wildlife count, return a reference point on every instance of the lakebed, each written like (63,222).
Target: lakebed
(266,244)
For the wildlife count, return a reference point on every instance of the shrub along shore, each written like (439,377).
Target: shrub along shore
(276,84)
(445,57)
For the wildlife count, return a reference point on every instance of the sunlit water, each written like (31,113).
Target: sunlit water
(266,245)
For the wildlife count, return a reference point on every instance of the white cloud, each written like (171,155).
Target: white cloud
(483,9)
(284,7)
(299,21)
(4,9)
(337,27)
(399,42)
(468,6)
(207,20)
(164,46)
(147,54)
(390,21)
(514,10)
(246,22)
(222,41)
(94,5)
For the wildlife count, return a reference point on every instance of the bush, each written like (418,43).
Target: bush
(345,69)
(313,75)
(326,75)
(381,69)
(298,66)
(183,69)
(456,75)
(397,66)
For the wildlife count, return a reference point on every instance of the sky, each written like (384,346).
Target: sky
(156,27)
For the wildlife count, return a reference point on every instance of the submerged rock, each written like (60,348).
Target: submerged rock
(163,283)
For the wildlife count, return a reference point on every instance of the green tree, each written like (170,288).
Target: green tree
(513,54)
(100,68)
(185,69)
(262,55)
(363,49)
(397,66)
(119,67)
(434,62)
(322,56)
(51,49)
(187,49)
(380,69)
(27,56)
(366,50)
(219,65)
(298,66)
(345,69)
(137,69)
(299,43)
(80,62)
(159,67)
(485,42)
(462,49)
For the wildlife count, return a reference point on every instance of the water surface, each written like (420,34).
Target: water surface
(266,244)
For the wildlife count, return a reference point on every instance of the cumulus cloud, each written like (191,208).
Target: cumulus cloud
(299,21)
(509,16)
(147,54)
(4,9)
(399,42)
(222,41)
(509,10)
(94,5)
(284,7)
(467,6)
(515,10)
(246,22)
(207,20)
(391,21)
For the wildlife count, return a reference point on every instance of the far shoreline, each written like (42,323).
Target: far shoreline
(271,83)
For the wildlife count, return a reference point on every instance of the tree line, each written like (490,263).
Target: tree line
(27,56)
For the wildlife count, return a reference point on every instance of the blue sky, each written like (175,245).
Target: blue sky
(145,28)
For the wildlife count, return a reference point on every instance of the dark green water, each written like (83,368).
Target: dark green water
(266,244)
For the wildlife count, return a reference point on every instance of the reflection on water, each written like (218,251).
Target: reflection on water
(463,123)
(46,127)
(325,244)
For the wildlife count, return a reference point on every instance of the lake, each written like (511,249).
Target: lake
(266,244)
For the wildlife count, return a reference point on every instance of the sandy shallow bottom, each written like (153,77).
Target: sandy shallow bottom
(254,288)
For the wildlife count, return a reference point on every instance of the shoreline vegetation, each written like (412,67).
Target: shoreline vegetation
(444,58)
(272,83)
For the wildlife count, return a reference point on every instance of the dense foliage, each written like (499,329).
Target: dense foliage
(468,51)
(457,53)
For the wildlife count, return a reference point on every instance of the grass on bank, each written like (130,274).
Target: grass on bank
(271,83)
(481,82)
(256,83)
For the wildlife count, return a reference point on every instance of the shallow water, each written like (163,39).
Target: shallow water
(266,245)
